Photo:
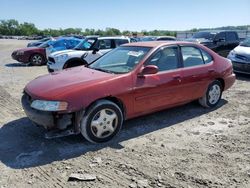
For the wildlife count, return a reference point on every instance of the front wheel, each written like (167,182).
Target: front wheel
(213,95)
(37,59)
(102,121)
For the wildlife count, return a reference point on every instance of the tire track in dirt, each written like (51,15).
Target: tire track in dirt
(48,179)
(10,107)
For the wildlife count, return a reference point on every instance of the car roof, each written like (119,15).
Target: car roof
(158,43)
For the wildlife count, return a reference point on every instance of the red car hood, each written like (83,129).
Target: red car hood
(29,49)
(56,85)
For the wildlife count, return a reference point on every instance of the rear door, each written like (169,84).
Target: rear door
(198,71)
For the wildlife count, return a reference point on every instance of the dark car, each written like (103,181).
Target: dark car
(222,42)
(37,43)
(240,57)
(38,55)
(132,80)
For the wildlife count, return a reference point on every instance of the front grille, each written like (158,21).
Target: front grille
(242,57)
(51,59)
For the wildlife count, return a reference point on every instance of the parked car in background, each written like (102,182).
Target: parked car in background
(157,38)
(132,80)
(84,53)
(37,43)
(222,42)
(166,38)
(240,57)
(38,55)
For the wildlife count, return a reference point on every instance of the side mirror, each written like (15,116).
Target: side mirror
(149,69)
(95,50)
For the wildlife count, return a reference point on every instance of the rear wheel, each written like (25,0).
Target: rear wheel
(213,95)
(37,59)
(102,121)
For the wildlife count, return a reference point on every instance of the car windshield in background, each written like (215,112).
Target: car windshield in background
(245,42)
(85,45)
(148,39)
(204,35)
(120,60)
(45,44)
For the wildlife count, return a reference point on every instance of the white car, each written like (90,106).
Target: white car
(84,53)
(240,57)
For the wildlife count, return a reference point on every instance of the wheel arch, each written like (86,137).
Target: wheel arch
(113,99)
(222,82)
(78,61)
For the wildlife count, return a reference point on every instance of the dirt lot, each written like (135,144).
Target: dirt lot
(188,146)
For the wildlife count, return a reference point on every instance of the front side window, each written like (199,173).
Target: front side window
(220,36)
(165,59)
(191,56)
(104,44)
(120,60)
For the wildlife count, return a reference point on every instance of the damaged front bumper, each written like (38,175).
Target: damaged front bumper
(57,123)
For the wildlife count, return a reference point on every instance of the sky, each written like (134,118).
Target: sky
(133,15)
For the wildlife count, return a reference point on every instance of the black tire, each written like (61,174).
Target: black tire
(212,96)
(92,122)
(37,59)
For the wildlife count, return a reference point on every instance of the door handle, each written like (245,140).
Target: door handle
(211,70)
(177,77)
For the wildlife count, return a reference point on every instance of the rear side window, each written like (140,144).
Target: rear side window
(206,57)
(220,36)
(119,42)
(191,56)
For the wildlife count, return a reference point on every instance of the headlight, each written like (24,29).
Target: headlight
(49,105)
(20,53)
(61,58)
(232,53)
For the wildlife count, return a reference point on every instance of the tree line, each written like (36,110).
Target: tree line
(13,28)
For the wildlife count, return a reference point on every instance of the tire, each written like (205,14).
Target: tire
(37,59)
(212,96)
(104,117)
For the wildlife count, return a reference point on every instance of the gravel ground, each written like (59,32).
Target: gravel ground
(187,146)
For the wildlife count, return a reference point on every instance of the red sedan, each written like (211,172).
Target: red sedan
(132,80)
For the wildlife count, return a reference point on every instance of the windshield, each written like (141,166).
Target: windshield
(45,44)
(120,60)
(85,44)
(204,35)
(245,42)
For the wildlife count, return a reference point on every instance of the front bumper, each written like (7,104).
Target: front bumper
(42,118)
(49,120)
(241,67)
(20,58)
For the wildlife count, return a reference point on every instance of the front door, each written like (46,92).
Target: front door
(157,91)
